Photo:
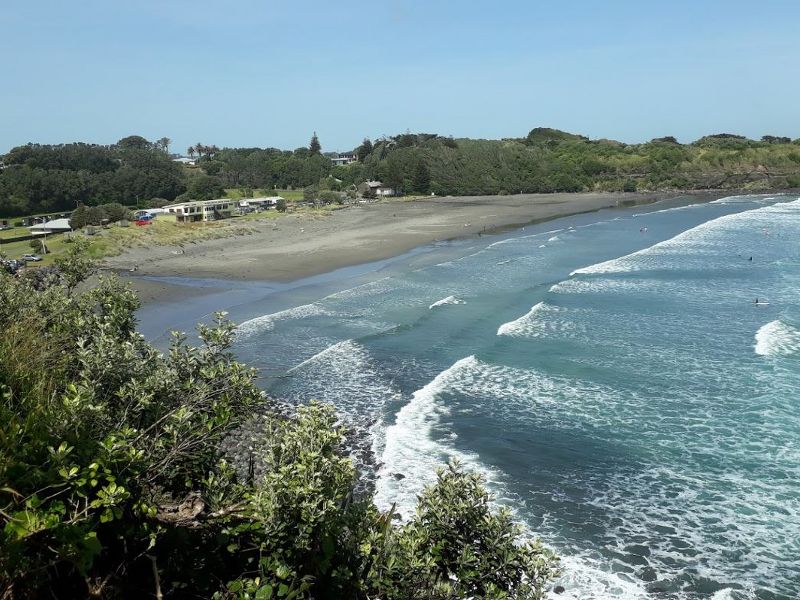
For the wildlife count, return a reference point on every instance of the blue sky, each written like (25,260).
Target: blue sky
(265,73)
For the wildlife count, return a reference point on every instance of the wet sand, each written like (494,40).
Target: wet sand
(298,245)
(300,254)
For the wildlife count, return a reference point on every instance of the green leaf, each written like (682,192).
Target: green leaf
(264,592)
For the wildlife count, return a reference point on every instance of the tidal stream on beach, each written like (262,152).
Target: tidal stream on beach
(611,375)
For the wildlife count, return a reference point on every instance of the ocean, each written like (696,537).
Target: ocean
(610,374)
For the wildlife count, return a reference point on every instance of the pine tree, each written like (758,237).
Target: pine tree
(364,150)
(314,146)
(422,178)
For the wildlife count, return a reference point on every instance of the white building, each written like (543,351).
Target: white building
(249,205)
(342,159)
(53,226)
(201,210)
(375,188)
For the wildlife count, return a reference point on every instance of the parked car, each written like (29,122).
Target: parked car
(11,266)
(31,257)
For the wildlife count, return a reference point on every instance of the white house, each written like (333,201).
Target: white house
(53,226)
(375,187)
(184,160)
(344,158)
(201,210)
(259,203)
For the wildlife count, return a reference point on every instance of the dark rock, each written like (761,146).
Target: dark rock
(559,589)
(398,476)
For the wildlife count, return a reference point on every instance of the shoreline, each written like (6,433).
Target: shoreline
(297,247)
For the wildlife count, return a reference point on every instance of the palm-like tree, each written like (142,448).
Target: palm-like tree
(191,151)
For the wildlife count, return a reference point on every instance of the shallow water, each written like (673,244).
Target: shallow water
(609,373)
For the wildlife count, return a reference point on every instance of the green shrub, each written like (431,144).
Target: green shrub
(116,481)
(115,212)
(456,546)
(331,197)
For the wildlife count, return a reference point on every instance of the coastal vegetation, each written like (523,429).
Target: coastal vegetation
(118,477)
(40,178)
(44,178)
(546,160)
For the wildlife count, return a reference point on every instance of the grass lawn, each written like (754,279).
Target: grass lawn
(164,231)
(114,240)
(56,243)
(289,195)
(12,233)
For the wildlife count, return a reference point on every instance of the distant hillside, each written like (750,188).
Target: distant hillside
(549,160)
(48,178)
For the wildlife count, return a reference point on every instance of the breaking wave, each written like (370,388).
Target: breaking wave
(776,338)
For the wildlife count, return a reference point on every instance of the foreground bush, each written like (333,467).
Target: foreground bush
(113,484)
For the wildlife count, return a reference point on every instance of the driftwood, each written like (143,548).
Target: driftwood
(184,514)
(191,512)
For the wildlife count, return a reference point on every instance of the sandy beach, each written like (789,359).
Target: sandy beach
(297,246)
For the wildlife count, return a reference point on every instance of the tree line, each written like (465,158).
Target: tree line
(48,178)
(41,178)
(546,160)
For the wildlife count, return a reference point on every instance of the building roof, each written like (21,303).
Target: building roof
(52,225)
(198,202)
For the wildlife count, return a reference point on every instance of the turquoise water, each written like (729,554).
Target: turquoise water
(610,375)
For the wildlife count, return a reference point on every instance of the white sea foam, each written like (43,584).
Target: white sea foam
(711,236)
(444,301)
(527,323)
(523,238)
(732,200)
(411,450)
(587,578)
(715,512)
(777,338)
(266,323)
(666,210)
(344,375)
(372,288)
(744,199)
